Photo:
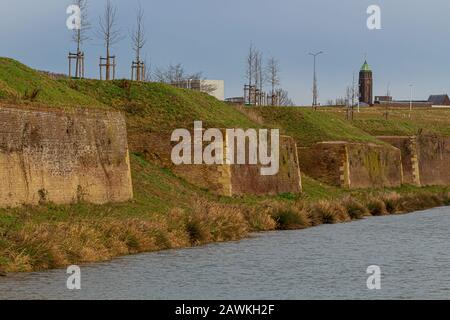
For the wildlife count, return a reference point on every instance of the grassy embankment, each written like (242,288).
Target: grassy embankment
(167,211)
(373,120)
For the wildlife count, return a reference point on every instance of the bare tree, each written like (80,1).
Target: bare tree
(283,98)
(254,74)
(109,32)
(138,41)
(174,74)
(80,35)
(349,102)
(159,75)
(256,66)
(340,101)
(259,74)
(138,34)
(148,77)
(272,71)
(250,72)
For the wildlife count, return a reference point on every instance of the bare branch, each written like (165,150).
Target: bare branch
(108,30)
(174,74)
(138,35)
(80,35)
(258,71)
(148,70)
(283,98)
(250,72)
(272,74)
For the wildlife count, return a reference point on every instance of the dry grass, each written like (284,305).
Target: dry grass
(50,244)
(392,202)
(328,212)
(288,216)
(355,209)
(376,207)
(259,218)
(420,201)
(215,222)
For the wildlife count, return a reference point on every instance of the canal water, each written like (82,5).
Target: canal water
(325,262)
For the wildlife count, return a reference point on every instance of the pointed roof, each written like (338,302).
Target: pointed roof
(439,99)
(365,67)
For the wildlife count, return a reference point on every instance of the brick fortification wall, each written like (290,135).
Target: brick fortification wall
(224,179)
(434,159)
(352,165)
(373,165)
(326,162)
(247,179)
(63,157)
(410,163)
(426,158)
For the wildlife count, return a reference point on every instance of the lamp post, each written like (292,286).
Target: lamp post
(410,99)
(314,104)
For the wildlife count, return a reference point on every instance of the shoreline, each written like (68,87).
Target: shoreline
(249,236)
(101,238)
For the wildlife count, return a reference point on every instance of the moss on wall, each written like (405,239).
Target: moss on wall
(224,179)
(63,157)
(352,165)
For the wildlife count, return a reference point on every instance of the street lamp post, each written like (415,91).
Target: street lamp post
(315,94)
(410,99)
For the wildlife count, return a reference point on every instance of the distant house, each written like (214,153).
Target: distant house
(439,100)
(436,101)
(382,99)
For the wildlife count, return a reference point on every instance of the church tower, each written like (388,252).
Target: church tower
(365,84)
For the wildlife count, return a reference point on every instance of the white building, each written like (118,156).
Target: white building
(215,88)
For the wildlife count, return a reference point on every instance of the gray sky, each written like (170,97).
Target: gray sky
(213,36)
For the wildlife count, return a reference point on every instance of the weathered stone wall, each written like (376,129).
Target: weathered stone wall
(410,163)
(373,165)
(157,147)
(352,165)
(425,158)
(224,179)
(326,162)
(247,179)
(63,156)
(433,154)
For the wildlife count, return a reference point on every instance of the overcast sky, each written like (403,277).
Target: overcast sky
(213,36)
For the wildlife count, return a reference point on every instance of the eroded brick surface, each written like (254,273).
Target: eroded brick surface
(63,157)
(224,179)
(352,165)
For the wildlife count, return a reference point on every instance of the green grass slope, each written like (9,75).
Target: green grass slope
(21,84)
(160,107)
(308,126)
(400,121)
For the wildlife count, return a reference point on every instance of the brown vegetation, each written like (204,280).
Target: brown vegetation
(50,244)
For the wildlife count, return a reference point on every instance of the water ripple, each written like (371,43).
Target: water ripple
(325,262)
